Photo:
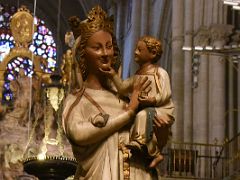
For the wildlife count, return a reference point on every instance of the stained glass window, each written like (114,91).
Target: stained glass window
(6,43)
(13,71)
(43,45)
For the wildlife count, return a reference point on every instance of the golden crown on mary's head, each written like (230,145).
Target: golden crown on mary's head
(23,8)
(96,20)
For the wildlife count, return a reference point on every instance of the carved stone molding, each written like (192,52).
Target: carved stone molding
(235,38)
(220,33)
(202,37)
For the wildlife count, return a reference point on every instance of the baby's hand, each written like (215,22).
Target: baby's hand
(107,70)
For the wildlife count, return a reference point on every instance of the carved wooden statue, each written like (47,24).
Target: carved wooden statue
(96,120)
(157,109)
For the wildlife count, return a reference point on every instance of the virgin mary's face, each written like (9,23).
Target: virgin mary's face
(98,51)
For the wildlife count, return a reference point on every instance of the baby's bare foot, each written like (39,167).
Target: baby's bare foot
(156,161)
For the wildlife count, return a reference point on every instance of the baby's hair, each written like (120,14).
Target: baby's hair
(153,44)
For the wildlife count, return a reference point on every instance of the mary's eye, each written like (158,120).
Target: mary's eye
(96,48)
(109,46)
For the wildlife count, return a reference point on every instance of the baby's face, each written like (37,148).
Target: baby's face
(142,54)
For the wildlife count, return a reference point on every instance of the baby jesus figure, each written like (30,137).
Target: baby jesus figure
(150,130)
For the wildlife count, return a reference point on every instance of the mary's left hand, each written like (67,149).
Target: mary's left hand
(147,101)
(162,121)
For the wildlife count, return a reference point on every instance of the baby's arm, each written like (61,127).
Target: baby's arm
(123,86)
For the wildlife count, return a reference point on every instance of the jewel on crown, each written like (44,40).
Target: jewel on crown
(23,9)
(97,20)
(97,13)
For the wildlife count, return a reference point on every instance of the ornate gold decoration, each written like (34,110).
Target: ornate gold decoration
(22,52)
(126,161)
(97,20)
(48,120)
(69,39)
(55,96)
(25,53)
(66,68)
(22,27)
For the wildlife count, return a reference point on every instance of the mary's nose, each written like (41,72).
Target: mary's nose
(105,52)
(105,56)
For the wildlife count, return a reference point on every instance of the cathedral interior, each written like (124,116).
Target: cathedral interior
(201,53)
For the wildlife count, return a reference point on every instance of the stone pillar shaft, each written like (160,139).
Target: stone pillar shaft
(217,89)
(200,96)
(177,67)
(188,38)
(217,98)
(230,112)
(238,103)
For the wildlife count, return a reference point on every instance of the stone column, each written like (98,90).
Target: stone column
(200,100)
(233,110)
(208,12)
(229,115)
(217,86)
(177,67)
(215,12)
(165,34)
(200,95)
(187,103)
(232,90)
(230,102)
(236,87)
(238,103)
